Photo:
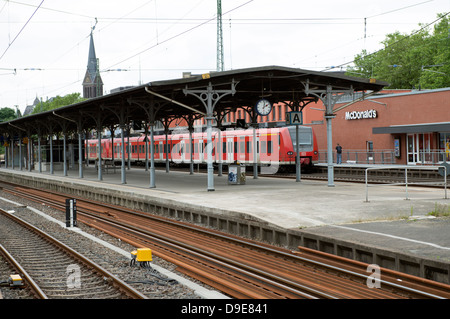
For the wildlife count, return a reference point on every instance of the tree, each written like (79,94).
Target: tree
(7,114)
(419,60)
(437,73)
(57,102)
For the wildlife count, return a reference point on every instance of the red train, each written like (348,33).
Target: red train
(275,146)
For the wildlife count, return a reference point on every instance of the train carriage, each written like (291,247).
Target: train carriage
(274,146)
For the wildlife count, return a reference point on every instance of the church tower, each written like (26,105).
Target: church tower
(92,83)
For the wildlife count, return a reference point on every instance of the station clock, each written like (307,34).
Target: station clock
(263,107)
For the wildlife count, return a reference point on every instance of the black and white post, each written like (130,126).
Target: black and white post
(71,212)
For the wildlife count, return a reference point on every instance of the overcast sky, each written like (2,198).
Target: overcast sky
(160,39)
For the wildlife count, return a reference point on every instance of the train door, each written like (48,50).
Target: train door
(241,150)
(248,148)
(230,150)
(255,154)
(200,150)
(161,151)
(182,151)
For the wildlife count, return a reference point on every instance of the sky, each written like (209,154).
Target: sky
(44,44)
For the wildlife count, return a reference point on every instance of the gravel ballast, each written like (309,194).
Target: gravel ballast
(151,282)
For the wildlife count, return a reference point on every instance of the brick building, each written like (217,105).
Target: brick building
(391,127)
(398,127)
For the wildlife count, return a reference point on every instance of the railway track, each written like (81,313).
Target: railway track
(373,179)
(357,176)
(52,270)
(238,267)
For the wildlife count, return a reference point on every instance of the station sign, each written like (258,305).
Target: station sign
(294,118)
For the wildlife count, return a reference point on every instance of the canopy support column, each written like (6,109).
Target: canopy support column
(329,98)
(210,97)
(152,155)
(122,150)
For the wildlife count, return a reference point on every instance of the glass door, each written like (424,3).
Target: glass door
(419,148)
(412,149)
(425,148)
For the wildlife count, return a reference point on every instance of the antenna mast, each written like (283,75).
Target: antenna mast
(219,37)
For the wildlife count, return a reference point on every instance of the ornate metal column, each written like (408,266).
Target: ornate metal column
(209,97)
(151,108)
(329,98)
(297,105)
(166,123)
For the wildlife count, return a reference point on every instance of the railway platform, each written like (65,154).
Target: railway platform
(393,228)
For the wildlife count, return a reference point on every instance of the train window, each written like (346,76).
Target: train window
(249,147)
(269,147)
(242,147)
(263,146)
(235,147)
(224,147)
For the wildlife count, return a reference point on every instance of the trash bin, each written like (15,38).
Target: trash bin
(236,174)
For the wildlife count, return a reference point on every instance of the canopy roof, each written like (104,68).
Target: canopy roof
(168,99)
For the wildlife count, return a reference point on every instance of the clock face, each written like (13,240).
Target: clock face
(263,107)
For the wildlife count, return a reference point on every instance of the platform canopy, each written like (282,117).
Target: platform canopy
(272,82)
(208,95)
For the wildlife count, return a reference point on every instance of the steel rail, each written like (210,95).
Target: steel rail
(224,262)
(121,285)
(192,250)
(34,287)
(284,254)
(281,253)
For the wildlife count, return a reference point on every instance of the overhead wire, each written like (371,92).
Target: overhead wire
(365,36)
(393,44)
(272,20)
(49,9)
(17,35)
(179,34)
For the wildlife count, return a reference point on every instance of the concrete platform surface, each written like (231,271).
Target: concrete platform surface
(387,220)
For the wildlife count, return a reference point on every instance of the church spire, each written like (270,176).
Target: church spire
(92,83)
(92,59)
